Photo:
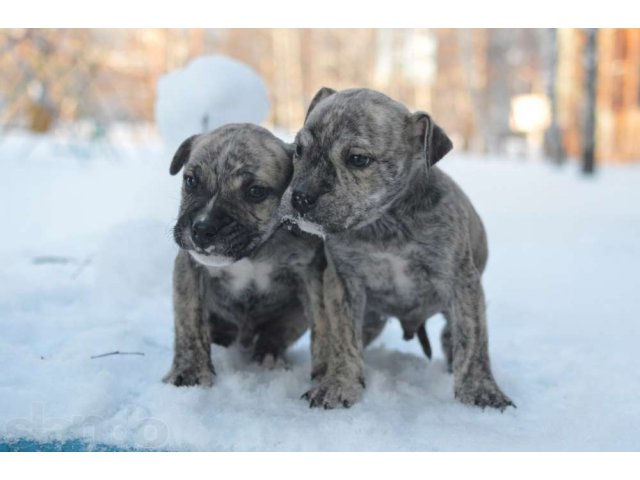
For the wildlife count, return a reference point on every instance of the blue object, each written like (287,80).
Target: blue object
(24,445)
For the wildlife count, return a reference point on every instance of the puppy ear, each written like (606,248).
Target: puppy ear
(323,93)
(434,143)
(182,155)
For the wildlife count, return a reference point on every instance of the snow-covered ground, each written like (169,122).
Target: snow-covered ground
(86,257)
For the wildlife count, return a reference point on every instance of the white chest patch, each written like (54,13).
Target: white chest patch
(395,266)
(245,272)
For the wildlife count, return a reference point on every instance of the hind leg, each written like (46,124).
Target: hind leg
(274,336)
(223,332)
(474,383)
(374,322)
(447,344)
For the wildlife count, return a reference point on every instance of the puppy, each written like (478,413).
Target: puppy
(401,239)
(238,275)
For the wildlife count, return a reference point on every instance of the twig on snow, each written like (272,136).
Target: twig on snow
(116,353)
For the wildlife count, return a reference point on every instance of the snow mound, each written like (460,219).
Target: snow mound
(208,93)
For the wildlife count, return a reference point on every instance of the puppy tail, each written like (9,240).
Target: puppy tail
(424,340)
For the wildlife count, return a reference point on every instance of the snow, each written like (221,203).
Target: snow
(310,227)
(214,261)
(208,93)
(87,253)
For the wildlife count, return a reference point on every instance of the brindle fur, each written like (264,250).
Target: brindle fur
(257,293)
(401,239)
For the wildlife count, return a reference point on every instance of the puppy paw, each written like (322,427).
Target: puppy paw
(190,376)
(270,360)
(318,371)
(269,355)
(485,394)
(332,393)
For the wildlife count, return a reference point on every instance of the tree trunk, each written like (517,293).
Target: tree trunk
(553,146)
(589,134)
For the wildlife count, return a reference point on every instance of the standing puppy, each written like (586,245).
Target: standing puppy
(237,274)
(401,239)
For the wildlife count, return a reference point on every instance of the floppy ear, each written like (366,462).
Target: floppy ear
(323,93)
(182,155)
(434,143)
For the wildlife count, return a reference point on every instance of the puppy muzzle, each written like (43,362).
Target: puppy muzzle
(303,202)
(204,230)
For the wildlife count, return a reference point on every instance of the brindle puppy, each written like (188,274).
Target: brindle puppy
(401,239)
(238,275)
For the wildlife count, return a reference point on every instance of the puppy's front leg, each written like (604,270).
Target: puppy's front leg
(315,311)
(338,338)
(473,381)
(192,349)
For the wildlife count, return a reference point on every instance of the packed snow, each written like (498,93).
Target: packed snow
(87,254)
(206,94)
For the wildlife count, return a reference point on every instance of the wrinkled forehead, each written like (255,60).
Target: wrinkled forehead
(369,120)
(230,156)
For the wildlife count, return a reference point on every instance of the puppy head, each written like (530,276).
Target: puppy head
(233,179)
(354,156)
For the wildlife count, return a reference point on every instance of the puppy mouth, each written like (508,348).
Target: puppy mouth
(235,247)
(225,250)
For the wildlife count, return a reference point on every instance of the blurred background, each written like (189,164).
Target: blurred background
(523,93)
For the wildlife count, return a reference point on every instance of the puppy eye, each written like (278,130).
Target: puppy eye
(358,161)
(191,182)
(298,150)
(257,193)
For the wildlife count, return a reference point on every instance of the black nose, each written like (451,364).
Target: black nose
(204,231)
(303,202)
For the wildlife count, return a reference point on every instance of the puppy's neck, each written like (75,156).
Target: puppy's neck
(420,194)
(423,191)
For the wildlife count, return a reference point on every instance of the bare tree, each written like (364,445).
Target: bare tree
(474,77)
(553,146)
(499,85)
(591,70)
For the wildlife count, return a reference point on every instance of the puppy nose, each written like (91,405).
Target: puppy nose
(204,231)
(303,202)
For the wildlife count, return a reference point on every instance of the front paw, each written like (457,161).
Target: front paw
(187,376)
(484,394)
(318,371)
(335,392)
